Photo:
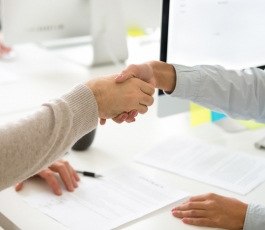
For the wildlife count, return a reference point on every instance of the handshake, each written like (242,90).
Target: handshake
(121,97)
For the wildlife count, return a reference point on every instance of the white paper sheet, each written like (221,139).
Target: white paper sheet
(229,169)
(122,195)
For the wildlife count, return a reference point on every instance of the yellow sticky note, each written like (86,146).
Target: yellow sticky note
(251,124)
(135,31)
(199,115)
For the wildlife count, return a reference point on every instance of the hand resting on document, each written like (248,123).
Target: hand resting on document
(66,173)
(212,210)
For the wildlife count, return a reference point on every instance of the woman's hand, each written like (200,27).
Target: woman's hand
(67,175)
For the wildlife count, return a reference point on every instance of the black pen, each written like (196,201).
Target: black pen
(90,174)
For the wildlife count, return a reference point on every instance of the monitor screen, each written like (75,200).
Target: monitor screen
(212,32)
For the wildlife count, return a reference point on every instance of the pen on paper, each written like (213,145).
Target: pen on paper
(90,174)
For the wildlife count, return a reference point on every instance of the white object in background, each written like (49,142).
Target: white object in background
(192,158)
(7,77)
(108,32)
(120,196)
(37,20)
(260,144)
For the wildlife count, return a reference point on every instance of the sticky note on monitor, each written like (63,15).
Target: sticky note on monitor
(199,114)
(217,116)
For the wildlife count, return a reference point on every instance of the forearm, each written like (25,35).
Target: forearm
(240,94)
(255,218)
(34,142)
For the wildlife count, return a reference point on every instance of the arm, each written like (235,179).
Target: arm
(239,94)
(216,211)
(32,143)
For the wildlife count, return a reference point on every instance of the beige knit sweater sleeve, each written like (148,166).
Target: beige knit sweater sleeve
(32,143)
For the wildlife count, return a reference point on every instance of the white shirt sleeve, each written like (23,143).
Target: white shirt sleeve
(255,218)
(239,94)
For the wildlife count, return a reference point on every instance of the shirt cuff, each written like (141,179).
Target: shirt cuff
(255,217)
(187,83)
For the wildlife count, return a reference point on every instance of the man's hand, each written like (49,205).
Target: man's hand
(66,172)
(159,74)
(116,98)
(212,210)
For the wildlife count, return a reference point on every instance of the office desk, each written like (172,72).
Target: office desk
(114,145)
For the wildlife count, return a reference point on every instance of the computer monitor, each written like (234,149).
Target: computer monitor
(223,32)
(38,20)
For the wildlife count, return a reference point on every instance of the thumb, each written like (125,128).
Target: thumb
(130,72)
(122,77)
(19,186)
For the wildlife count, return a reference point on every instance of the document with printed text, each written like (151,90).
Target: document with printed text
(120,196)
(215,165)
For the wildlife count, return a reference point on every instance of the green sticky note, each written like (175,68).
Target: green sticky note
(199,115)
(251,124)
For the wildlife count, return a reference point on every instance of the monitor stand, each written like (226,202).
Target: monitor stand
(230,125)
(107,42)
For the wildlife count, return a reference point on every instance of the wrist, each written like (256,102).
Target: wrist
(165,75)
(92,85)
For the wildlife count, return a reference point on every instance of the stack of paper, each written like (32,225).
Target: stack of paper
(229,169)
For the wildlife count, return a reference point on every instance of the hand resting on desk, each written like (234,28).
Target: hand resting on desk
(67,175)
(212,210)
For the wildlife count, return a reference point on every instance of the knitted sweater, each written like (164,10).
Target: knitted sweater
(32,143)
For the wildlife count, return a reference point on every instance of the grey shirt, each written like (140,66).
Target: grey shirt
(32,143)
(239,94)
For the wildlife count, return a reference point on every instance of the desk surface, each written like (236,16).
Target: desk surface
(114,144)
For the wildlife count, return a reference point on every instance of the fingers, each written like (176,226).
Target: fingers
(198,221)
(102,121)
(129,72)
(191,205)
(142,109)
(128,117)
(66,173)
(51,180)
(19,186)
(204,197)
(147,88)
(190,213)
(120,118)
(146,100)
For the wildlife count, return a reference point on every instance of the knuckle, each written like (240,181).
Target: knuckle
(193,213)
(189,205)
(145,109)
(49,174)
(211,195)
(61,166)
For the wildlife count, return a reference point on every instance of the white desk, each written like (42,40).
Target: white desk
(114,144)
